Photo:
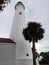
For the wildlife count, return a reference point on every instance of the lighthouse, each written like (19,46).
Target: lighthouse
(23,48)
(18,22)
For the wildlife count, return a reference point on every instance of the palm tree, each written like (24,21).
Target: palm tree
(2,4)
(33,32)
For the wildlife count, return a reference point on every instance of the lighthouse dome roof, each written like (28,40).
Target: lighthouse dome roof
(19,3)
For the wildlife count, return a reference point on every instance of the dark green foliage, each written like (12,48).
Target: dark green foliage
(43,61)
(2,4)
(37,55)
(33,30)
(45,56)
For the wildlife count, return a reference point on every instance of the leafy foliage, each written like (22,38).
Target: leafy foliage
(2,4)
(43,61)
(33,30)
(45,56)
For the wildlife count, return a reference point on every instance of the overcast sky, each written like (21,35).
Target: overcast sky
(35,10)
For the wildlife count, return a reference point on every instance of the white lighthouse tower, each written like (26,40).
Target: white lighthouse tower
(23,48)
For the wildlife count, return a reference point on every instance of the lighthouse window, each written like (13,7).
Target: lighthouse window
(27,54)
(20,13)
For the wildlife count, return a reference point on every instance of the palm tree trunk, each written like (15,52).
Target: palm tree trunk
(34,55)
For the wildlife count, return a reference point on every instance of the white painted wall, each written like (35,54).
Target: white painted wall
(18,23)
(7,53)
(22,46)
